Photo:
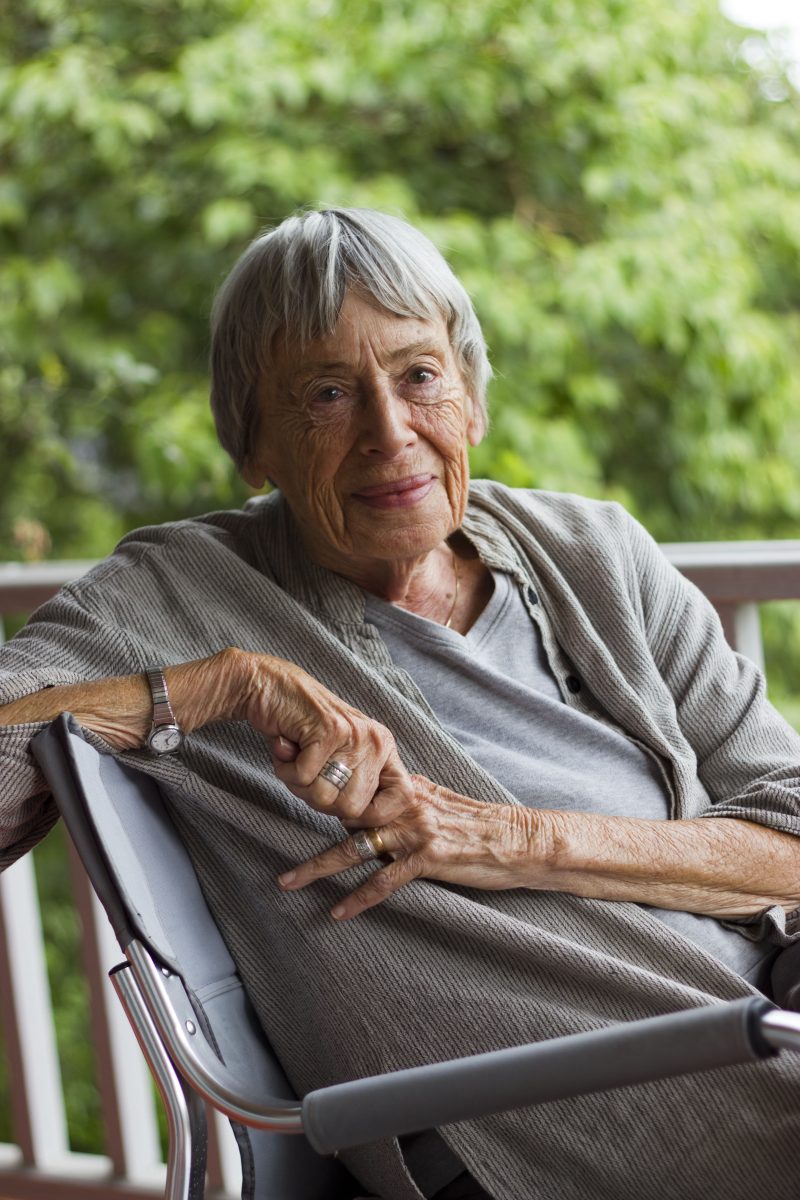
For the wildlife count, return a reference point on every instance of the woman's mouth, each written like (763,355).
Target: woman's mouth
(397,493)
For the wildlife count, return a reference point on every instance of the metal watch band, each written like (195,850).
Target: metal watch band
(165,736)
(162,709)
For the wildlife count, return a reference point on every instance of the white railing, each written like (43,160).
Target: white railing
(737,577)
(40,1164)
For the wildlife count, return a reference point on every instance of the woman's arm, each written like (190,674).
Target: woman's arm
(724,868)
(727,868)
(304,723)
(120,709)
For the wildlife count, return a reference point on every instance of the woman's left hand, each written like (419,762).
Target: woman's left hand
(441,835)
(695,865)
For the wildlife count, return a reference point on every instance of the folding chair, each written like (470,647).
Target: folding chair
(185,1001)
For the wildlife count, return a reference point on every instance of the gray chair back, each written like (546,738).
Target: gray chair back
(147,885)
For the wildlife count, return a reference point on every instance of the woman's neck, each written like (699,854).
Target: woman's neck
(449,585)
(425,585)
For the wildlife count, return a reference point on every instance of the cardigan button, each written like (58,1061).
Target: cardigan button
(531,594)
(573,683)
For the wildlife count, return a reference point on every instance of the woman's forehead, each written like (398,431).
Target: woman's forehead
(366,329)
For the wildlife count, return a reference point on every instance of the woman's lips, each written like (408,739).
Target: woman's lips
(399,493)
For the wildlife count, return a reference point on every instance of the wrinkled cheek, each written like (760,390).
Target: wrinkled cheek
(325,506)
(457,482)
(290,456)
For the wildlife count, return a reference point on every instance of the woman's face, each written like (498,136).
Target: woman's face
(365,432)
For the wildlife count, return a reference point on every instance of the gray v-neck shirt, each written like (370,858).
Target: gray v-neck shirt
(494,691)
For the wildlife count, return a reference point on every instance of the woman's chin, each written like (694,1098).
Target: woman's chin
(396,544)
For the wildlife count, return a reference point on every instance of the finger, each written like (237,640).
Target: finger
(383,792)
(379,887)
(366,749)
(322,793)
(378,812)
(322,738)
(284,751)
(341,857)
(302,771)
(395,793)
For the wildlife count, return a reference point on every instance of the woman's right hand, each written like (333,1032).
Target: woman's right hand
(305,724)
(308,726)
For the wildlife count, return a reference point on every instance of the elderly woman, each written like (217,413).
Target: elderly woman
(583,806)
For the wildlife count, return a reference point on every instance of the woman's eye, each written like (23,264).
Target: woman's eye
(328,394)
(421,375)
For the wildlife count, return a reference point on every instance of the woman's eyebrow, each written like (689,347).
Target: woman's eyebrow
(308,369)
(424,347)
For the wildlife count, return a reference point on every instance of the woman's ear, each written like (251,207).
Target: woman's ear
(476,422)
(253,474)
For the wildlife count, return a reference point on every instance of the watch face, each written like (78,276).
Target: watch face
(165,739)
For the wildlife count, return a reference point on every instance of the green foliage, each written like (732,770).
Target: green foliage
(615,184)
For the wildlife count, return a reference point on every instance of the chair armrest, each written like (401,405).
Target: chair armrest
(402,1102)
(349,1114)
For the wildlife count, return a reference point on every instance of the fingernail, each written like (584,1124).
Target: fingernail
(287,745)
(287,878)
(338,912)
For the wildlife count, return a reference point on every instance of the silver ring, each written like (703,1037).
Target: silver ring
(336,773)
(364,846)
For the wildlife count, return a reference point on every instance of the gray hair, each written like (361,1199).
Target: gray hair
(294,279)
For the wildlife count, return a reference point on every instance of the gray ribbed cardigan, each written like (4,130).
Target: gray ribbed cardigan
(437,971)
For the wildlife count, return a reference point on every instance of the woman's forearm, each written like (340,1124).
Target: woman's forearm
(121,709)
(723,868)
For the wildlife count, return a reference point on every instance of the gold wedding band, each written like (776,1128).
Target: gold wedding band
(377,842)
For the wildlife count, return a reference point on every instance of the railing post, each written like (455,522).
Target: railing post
(727,615)
(123,1080)
(748,634)
(37,1096)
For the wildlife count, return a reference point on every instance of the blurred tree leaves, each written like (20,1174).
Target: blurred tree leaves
(615,181)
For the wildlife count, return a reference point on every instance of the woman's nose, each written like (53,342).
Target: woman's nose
(386,422)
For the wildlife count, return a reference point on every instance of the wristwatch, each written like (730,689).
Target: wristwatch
(166,735)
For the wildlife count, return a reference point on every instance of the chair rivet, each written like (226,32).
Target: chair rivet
(191,1027)
(166,973)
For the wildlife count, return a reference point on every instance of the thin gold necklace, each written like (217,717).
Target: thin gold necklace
(455,596)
